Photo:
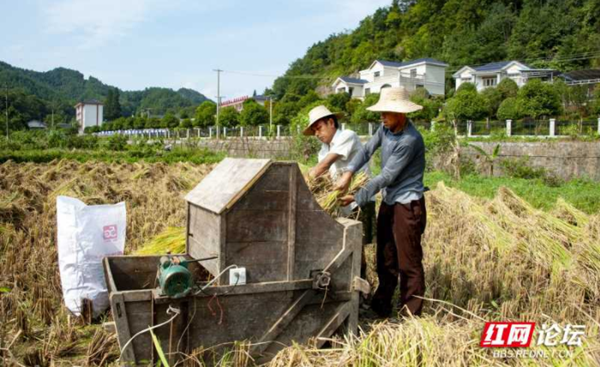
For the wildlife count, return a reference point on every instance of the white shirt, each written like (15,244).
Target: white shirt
(346,144)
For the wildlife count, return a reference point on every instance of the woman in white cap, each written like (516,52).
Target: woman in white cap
(402,215)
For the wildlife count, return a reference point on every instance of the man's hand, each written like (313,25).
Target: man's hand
(346,200)
(344,182)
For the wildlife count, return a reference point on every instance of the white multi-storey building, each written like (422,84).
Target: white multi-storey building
(490,75)
(425,73)
(89,113)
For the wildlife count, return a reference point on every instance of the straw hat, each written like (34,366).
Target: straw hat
(394,100)
(316,114)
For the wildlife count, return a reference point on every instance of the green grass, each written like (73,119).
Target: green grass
(583,194)
(197,156)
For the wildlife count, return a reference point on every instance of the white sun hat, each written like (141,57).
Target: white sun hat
(316,114)
(395,100)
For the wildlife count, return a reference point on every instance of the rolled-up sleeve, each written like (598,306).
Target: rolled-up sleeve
(397,161)
(365,153)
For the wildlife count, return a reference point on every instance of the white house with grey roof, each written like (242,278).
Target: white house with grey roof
(425,73)
(489,75)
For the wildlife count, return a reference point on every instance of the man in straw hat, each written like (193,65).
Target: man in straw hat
(337,150)
(338,147)
(402,216)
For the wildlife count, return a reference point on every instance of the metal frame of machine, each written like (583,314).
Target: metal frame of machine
(301,269)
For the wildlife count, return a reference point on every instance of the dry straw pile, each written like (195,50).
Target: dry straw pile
(495,259)
(34,327)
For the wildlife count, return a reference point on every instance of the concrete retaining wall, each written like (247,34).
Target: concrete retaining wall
(564,159)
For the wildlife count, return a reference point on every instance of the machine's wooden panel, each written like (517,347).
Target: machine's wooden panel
(257,226)
(205,233)
(226,183)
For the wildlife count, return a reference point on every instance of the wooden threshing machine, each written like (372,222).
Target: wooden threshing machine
(283,270)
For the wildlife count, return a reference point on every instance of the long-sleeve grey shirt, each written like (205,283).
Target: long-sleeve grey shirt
(402,165)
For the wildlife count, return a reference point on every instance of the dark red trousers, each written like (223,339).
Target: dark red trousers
(399,254)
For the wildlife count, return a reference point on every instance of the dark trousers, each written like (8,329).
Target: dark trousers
(399,254)
(367,217)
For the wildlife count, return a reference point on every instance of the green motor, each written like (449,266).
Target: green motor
(174,278)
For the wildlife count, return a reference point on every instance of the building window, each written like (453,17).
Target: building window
(377,74)
(419,86)
(489,82)
(367,91)
(341,90)
(413,73)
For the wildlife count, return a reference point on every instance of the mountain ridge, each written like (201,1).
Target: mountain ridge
(65,87)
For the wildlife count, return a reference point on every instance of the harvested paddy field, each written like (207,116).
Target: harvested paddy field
(485,259)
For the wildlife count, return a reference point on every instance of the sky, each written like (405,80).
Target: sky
(135,44)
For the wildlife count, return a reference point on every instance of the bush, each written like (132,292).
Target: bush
(520,168)
(438,142)
(509,109)
(115,142)
(537,99)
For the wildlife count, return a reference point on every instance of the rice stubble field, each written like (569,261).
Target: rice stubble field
(485,259)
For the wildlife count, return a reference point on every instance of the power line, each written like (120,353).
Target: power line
(274,76)
(6,87)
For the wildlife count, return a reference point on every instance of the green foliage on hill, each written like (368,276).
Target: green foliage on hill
(61,88)
(561,34)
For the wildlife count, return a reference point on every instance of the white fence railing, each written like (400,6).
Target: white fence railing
(539,128)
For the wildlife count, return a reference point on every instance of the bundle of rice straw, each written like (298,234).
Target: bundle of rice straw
(323,189)
(171,240)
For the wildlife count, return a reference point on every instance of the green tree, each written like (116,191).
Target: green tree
(536,99)
(308,99)
(492,98)
(186,123)
(361,114)
(229,117)
(466,104)
(430,105)
(338,101)
(595,105)
(352,106)
(508,109)
(284,110)
(153,123)
(205,114)
(508,88)
(112,106)
(139,122)
(127,123)
(169,121)
(253,114)
(464,87)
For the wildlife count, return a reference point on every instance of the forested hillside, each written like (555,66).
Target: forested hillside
(561,34)
(33,95)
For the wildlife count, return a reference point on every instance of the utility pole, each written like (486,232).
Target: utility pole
(218,98)
(53,101)
(270,113)
(6,109)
